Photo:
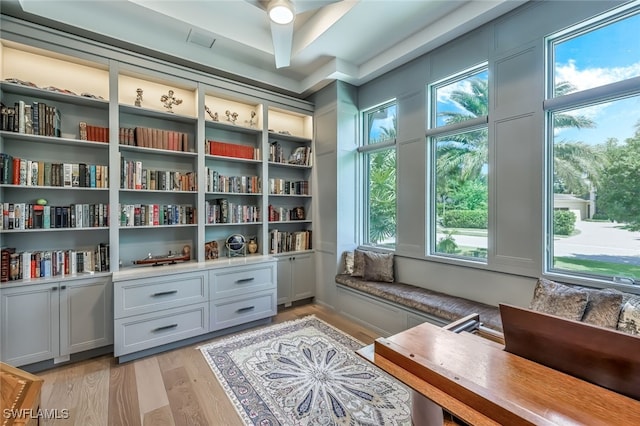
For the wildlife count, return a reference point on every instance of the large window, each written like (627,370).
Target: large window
(379,158)
(457,138)
(593,121)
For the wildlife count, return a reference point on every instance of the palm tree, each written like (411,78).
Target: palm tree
(382,189)
(465,155)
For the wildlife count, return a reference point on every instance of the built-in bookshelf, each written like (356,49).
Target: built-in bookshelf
(122,160)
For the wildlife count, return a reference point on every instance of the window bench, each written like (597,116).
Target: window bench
(393,307)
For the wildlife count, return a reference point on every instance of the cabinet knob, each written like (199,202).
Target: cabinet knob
(64,287)
(54,288)
(244,280)
(247,309)
(166,327)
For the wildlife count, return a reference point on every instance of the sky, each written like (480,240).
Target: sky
(606,55)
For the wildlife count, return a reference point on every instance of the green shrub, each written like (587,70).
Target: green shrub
(447,244)
(600,216)
(564,222)
(466,219)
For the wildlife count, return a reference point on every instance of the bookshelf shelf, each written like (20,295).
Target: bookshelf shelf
(291,195)
(49,95)
(232,159)
(158,151)
(221,125)
(52,140)
(162,115)
(23,231)
(182,225)
(289,166)
(232,224)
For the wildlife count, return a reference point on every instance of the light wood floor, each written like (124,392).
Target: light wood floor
(172,388)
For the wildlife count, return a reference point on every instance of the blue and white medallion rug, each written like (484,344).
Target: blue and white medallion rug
(305,372)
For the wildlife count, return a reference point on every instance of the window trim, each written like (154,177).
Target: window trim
(557,104)
(434,132)
(366,148)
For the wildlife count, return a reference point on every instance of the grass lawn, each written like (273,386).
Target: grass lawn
(594,266)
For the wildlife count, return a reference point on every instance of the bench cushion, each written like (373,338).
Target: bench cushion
(447,307)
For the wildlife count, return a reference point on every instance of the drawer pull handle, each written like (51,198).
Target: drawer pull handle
(244,280)
(243,310)
(166,327)
(164,293)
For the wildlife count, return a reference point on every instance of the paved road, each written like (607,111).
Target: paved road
(604,241)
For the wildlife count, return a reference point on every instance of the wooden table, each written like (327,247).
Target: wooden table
(481,384)
(20,396)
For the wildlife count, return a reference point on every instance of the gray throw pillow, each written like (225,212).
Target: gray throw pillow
(558,299)
(629,321)
(378,266)
(358,264)
(347,258)
(603,308)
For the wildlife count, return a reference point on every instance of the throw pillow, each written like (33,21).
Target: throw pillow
(347,258)
(558,299)
(629,321)
(358,264)
(378,266)
(603,308)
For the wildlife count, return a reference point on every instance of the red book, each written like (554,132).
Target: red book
(16,171)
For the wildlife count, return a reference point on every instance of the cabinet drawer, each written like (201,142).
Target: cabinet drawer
(242,280)
(228,313)
(149,330)
(146,295)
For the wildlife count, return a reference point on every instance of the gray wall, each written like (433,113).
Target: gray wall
(513,45)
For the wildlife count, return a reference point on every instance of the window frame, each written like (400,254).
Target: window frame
(553,104)
(365,149)
(434,132)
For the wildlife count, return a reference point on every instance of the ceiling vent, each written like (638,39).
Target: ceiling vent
(201,38)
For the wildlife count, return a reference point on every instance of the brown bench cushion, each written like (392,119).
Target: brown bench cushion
(449,308)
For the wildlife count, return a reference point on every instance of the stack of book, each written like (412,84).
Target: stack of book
(222,210)
(21,216)
(21,171)
(147,137)
(156,214)
(281,242)
(235,184)
(35,118)
(226,149)
(27,265)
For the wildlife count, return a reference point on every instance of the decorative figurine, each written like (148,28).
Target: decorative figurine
(252,245)
(169,101)
(231,117)
(138,97)
(211,250)
(214,116)
(251,122)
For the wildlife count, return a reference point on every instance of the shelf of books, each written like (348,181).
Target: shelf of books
(290,161)
(157,201)
(53,179)
(233,166)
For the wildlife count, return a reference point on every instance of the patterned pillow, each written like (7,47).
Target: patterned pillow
(558,299)
(603,308)
(378,266)
(358,264)
(347,259)
(629,321)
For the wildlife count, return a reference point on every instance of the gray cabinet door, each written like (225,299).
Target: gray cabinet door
(30,323)
(86,315)
(284,280)
(303,276)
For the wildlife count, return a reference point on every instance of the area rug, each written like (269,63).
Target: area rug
(305,372)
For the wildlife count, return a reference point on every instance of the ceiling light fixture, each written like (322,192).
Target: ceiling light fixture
(281,11)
